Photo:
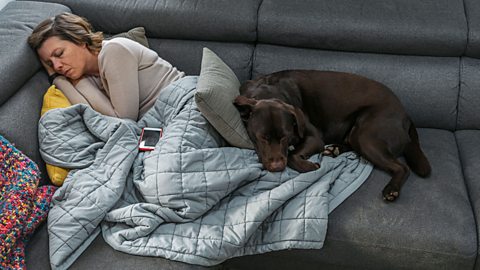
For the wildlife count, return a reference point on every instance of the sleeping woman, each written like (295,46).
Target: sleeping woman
(117,77)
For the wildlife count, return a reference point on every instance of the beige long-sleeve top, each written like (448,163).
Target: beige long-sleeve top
(131,77)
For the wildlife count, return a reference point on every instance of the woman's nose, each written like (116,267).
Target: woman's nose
(57,65)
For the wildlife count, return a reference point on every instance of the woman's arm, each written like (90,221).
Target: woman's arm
(69,90)
(119,69)
(85,91)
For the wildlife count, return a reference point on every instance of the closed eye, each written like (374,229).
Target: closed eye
(58,53)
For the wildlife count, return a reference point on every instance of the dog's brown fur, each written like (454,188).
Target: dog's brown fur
(308,109)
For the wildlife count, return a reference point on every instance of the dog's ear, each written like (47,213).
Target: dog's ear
(244,106)
(300,119)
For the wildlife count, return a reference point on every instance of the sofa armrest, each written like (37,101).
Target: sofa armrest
(18,62)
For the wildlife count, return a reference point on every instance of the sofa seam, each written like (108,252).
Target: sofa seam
(457,108)
(258,19)
(468,27)
(255,45)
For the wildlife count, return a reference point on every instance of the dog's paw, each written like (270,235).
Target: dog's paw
(301,165)
(308,166)
(390,193)
(331,150)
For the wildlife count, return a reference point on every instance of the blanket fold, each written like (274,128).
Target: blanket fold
(192,199)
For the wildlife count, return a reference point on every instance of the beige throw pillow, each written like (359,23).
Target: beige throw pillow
(217,87)
(137,34)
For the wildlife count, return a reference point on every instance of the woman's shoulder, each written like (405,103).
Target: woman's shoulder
(120,42)
(120,47)
(124,50)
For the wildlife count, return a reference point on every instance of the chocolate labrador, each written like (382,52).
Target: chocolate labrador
(291,115)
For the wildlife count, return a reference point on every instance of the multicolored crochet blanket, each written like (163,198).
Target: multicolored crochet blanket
(23,204)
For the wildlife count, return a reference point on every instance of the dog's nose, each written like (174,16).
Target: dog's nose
(277,165)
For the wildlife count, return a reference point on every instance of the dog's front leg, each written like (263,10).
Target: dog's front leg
(298,158)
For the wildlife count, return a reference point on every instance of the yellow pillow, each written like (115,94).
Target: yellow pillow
(53,99)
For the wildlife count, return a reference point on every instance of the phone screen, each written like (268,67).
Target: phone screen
(149,138)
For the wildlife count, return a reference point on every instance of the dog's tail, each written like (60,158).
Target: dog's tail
(416,159)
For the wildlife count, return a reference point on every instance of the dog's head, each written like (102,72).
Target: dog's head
(273,126)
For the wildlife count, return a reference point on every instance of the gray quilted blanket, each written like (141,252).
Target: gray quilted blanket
(192,199)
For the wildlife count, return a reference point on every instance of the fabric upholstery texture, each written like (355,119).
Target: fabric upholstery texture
(472,9)
(412,231)
(186,55)
(25,106)
(230,21)
(366,26)
(469,147)
(100,256)
(217,88)
(408,234)
(17,20)
(469,98)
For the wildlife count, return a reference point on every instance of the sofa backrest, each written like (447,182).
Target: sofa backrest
(178,30)
(425,51)
(412,27)
(472,11)
(417,48)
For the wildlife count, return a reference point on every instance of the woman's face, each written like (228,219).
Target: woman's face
(65,57)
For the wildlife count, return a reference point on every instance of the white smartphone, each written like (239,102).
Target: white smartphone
(149,138)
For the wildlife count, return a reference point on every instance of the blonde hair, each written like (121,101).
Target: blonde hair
(66,26)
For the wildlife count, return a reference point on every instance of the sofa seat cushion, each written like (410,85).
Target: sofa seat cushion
(469,147)
(393,26)
(36,251)
(431,225)
(99,255)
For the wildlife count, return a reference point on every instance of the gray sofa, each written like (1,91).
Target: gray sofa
(426,51)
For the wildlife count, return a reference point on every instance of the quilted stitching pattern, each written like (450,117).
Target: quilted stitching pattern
(191,199)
